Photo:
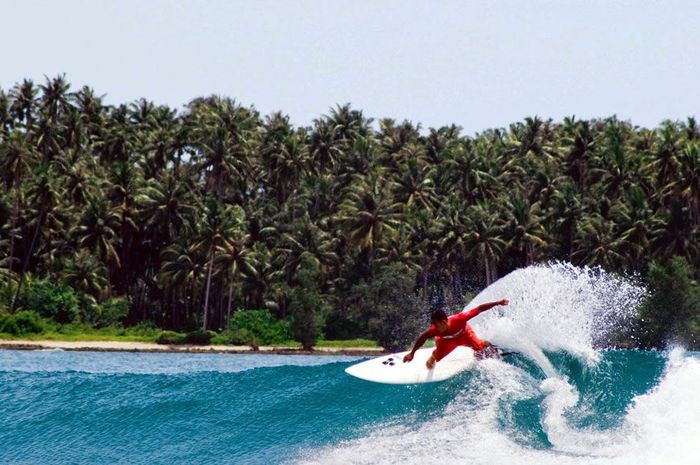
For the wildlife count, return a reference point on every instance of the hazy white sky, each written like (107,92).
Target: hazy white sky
(478,64)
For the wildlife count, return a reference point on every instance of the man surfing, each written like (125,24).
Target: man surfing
(452,332)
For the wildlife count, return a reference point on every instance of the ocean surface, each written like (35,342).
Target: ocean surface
(560,400)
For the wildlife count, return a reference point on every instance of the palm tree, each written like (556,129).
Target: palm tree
(219,224)
(467,171)
(453,243)
(283,156)
(399,248)
(413,185)
(357,160)
(97,231)
(234,259)
(320,196)
(260,278)
(563,215)
(396,139)
(324,150)
(665,162)
(91,111)
(17,156)
(44,197)
(369,214)
(615,168)
(524,231)
(439,143)
(527,150)
(635,220)
(672,234)
(577,145)
(166,209)
(79,183)
(485,241)
(116,140)
(305,240)
(55,98)
(348,124)
(87,275)
(156,140)
(222,133)
(124,184)
(24,103)
(598,244)
(180,276)
(6,121)
(689,182)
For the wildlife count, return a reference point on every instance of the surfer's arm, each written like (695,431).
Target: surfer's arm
(419,343)
(483,307)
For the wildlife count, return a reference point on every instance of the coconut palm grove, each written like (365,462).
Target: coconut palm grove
(218,221)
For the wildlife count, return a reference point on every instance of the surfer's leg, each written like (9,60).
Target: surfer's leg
(490,351)
(443,347)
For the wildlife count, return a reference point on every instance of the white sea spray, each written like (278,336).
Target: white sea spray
(557,308)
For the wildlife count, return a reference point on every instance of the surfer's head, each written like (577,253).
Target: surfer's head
(439,319)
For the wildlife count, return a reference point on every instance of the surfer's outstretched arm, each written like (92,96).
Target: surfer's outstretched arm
(419,343)
(483,307)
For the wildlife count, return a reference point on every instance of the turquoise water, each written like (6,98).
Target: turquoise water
(561,400)
(109,408)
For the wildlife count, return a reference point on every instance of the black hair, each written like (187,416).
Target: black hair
(438,315)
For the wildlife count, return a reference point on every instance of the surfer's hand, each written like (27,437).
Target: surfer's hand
(408,357)
(503,302)
(431,362)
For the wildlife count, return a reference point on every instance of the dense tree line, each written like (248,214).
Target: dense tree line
(190,215)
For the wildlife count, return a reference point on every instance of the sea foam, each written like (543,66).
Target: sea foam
(554,309)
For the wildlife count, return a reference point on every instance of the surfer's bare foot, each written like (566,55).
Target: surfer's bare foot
(430,363)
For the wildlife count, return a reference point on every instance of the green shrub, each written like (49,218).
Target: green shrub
(7,291)
(111,312)
(671,314)
(21,323)
(143,328)
(235,337)
(170,338)
(74,328)
(308,308)
(262,326)
(199,337)
(48,299)
(389,305)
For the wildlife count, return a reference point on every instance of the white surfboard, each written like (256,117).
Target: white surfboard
(390,369)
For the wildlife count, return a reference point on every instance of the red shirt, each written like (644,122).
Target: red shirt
(458,331)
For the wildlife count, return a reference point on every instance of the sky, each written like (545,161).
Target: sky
(477,64)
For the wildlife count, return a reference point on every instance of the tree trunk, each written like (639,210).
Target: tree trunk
(15,217)
(487,270)
(124,258)
(230,299)
(25,264)
(206,295)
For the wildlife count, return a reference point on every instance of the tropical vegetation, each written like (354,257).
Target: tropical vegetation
(133,213)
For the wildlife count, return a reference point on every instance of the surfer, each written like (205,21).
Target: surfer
(452,332)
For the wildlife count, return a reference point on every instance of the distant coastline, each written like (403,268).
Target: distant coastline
(120,346)
(220,225)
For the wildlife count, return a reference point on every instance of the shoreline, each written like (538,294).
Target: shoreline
(118,346)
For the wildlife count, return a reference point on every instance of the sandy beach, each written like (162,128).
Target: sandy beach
(118,346)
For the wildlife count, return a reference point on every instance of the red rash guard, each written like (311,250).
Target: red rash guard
(458,333)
